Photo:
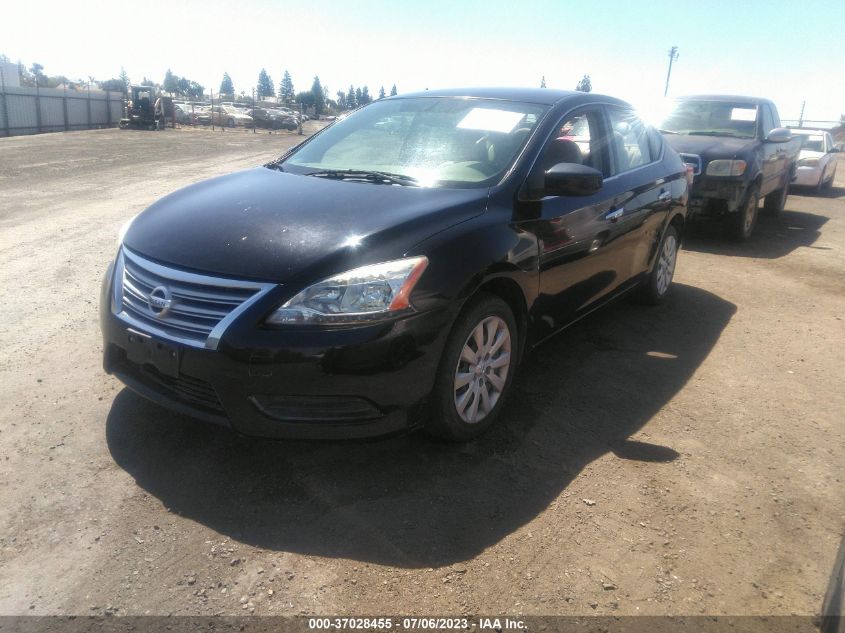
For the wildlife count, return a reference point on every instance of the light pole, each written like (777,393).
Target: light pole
(673,55)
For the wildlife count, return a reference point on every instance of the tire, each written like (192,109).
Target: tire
(658,284)
(231,122)
(460,412)
(828,184)
(776,201)
(742,222)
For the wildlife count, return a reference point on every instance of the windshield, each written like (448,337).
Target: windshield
(812,143)
(436,141)
(722,118)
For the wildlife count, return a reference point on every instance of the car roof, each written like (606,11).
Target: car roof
(808,131)
(729,98)
(541,96)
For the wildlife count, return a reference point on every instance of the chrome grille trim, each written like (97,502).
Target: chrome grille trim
(204,306)
(694,160)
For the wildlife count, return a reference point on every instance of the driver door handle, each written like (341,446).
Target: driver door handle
(614,215)
(666,196)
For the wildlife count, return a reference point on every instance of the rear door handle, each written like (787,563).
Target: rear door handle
(614,215)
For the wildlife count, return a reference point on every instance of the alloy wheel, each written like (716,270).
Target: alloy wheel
(482,370)
(666,264)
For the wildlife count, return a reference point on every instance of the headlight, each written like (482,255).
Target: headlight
(726,168)
(808,162)
(123,229)
(365,294)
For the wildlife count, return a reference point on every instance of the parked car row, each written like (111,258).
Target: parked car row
(229,114)
(395,267)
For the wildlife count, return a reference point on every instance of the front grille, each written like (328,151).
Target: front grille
(694,160)
(190,390)
(198,308)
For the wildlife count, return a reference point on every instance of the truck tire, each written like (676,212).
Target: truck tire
(741,224)
(776,201)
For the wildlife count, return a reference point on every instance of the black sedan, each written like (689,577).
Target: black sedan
(391,271)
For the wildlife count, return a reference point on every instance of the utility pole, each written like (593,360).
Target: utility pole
(673,55)
(801,116)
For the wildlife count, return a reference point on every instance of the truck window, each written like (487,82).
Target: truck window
(712,118)
(766,120)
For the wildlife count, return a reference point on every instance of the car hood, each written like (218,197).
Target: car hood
(275,226)
(809,153)
(710,147)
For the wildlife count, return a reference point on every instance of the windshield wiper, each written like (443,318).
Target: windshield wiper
(668,132)
(379,177)
(715,133)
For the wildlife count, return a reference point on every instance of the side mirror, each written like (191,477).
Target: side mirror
(779,135)
(572,179)
(834,150)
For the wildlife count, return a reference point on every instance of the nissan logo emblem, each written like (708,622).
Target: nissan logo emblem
(160,300)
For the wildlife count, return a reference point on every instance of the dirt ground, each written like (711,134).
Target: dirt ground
(680,460)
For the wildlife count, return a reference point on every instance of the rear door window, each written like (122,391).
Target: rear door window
(630,141)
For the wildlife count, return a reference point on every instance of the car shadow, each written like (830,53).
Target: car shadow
(773,237)
(411,501)
(811,192)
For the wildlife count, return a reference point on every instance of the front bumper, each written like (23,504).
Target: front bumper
(715,196)
(331,384)
(807,176)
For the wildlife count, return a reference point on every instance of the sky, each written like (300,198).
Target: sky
(787,51)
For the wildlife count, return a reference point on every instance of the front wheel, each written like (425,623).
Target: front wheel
(828,184)
(656,287)
(745,219)
(476,370)
(776,201)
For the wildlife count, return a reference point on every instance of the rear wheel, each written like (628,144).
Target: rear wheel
(742,222)
(231,122)
(776,201)
(476,370)
(655,289)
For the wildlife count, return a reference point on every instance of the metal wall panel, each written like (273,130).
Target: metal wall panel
(30,111)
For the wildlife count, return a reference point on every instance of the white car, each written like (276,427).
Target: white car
(817,160)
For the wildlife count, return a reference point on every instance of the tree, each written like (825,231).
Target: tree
(37,71)
(183,84)
(148,82)
(195,90)
(170,83)
(365,95)
(305,98)
(286,92)
(359,97)
(226,85)
(113,85)
(319,98)
(351,103)
(381,94)
(4,58)
(125,79)
(393,92)
(585,85)
(543,82)
(341,100)
(265,85)
(25,77)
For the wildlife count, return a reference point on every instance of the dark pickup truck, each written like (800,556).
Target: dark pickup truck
(739,153)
